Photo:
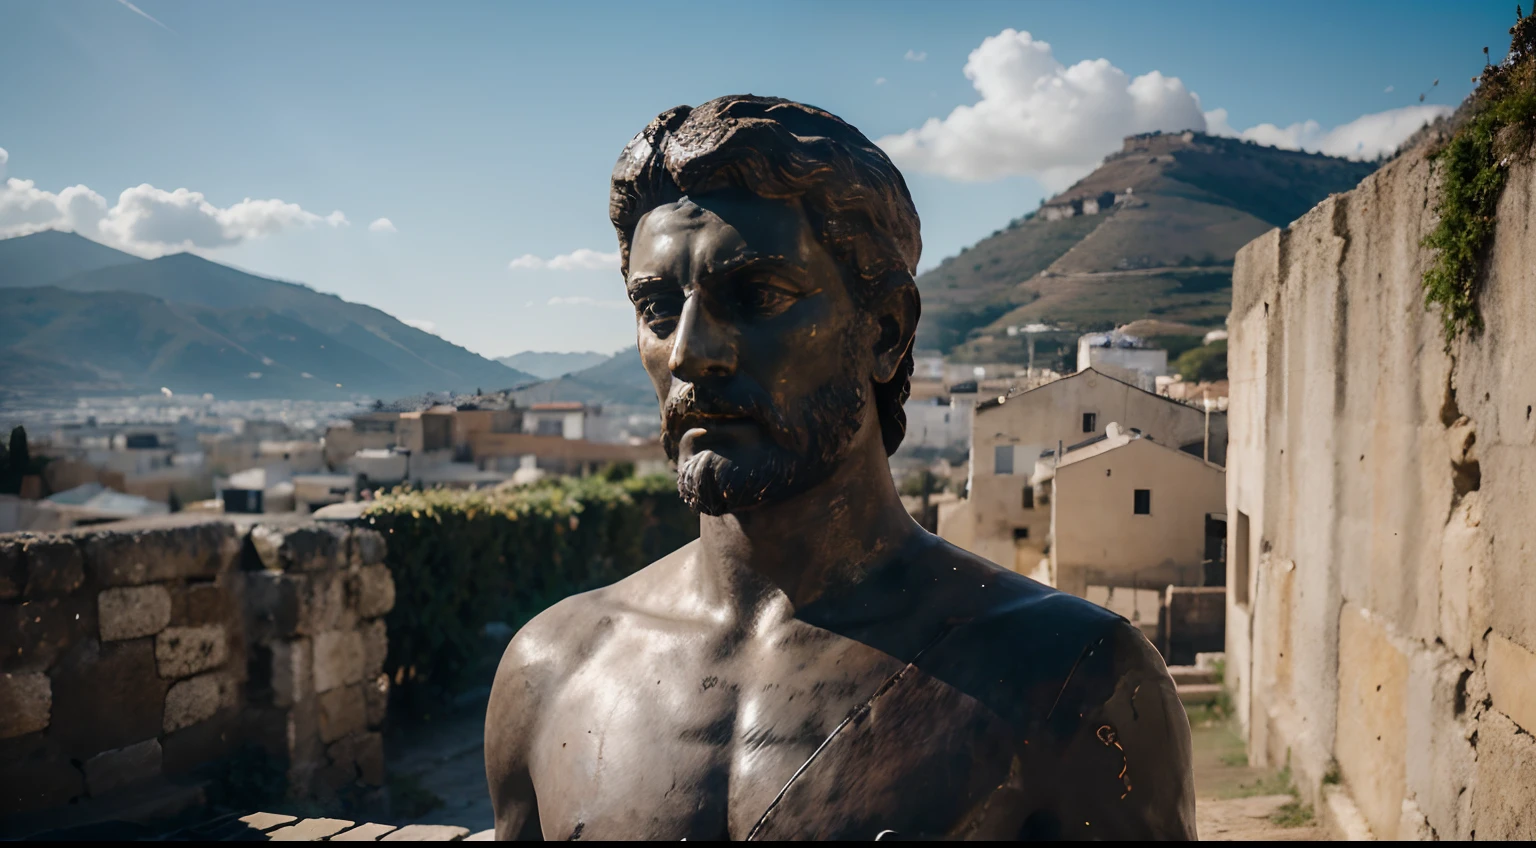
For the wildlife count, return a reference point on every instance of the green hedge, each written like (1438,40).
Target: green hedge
(462,559)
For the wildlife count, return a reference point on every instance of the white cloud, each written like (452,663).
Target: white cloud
(1366,137)
(382,225)
(149,221)
(420,324)
(916,56)
(3,156)
(1037,117)
(589,301)
(879,80)
(584,259)
(1389,90)
(1041,118)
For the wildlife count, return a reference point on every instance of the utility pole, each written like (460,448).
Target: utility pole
(1207,398)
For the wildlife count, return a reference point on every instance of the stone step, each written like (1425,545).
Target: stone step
(1199,694)
(1193,675)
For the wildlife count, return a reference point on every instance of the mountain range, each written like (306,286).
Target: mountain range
(549,364)
(78,317)
(1149,236)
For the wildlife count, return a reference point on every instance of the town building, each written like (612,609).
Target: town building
(1129,512)
(1124,357)
(566,419)
(1004,516)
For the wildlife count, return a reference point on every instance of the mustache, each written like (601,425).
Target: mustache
(692,407)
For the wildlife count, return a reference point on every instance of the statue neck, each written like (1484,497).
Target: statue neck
(822,540)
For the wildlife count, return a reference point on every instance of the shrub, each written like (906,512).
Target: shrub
(1204,364)
(1475,164)
(462,559)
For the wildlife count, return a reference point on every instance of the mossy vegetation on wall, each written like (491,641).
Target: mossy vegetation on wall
(462,559)
(1476,163)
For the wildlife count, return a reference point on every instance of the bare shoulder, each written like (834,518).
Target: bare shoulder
(1020,642)
(559,640)
(543,655)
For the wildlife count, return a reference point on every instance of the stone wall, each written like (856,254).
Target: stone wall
(138,657)
(1381,623)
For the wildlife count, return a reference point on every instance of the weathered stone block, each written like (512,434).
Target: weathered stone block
(303,734)
(342,713)
(203,603)
(1511,671)
(128,766)
(361,756)
(1372,719)
(26,701)
(36,774)
(54,567)
(106,696)
(276,603)
(195,699)
(315,547)
(326,604)
(288,604)
(370,758)
(118,558)
(185,651)
(368,547)
(13,574)
(292,671)
(34,633)
(375,590)
(375,647)
(131,612)
(203,742)
(339,659)
(1506,768)
(376,695)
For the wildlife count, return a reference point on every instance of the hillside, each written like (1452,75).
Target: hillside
(549,365)
(618,379)
(302,342)
(49,256)
(1150,234)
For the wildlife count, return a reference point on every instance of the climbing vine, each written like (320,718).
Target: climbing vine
(1475,165)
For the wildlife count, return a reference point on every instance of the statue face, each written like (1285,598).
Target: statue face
(760,355)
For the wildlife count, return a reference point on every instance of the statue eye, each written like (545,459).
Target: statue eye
(660,312)
(765,299)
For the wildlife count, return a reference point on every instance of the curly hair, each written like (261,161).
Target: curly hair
(855,198)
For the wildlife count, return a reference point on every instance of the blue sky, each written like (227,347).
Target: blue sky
(484,132)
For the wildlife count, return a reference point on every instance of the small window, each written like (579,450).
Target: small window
(1143,501)
(1029,497)
(1020,533)
(1090,422)
(1002,459)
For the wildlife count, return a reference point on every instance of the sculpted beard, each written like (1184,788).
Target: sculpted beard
(803,447)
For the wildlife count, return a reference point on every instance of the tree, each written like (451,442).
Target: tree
(20,457)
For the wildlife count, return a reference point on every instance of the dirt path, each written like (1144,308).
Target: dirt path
(1235,802)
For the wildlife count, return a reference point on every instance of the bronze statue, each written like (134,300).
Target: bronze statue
(815,665)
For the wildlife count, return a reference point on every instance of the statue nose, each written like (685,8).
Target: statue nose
(703,345)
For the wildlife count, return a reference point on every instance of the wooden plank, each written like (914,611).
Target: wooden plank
(309,830)
(363,833)
(427,833)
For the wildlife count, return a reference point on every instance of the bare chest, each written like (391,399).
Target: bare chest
(692,737)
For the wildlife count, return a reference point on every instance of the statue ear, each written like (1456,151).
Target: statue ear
(896,317)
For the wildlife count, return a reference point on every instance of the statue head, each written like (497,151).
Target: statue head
(769,249)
